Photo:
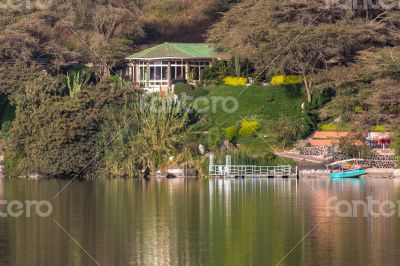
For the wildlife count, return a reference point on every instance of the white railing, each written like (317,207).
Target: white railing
(251,170)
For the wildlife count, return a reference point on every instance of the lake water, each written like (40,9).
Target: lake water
(198,222)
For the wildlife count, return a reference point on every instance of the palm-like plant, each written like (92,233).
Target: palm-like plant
(76,80)
(163,123)
(150,132)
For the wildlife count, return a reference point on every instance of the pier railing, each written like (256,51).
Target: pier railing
(229,170)
(251,170)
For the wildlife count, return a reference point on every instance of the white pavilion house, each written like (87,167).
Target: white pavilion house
(161,67)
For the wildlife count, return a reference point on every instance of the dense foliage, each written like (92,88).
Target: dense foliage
(57,71)
(351,51)
(55,134)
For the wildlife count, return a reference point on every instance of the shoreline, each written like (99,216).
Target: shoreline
(372,173)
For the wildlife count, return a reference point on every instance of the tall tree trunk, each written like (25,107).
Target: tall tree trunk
(237,65)
(308,87)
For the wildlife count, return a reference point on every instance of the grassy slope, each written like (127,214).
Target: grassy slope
(266,103)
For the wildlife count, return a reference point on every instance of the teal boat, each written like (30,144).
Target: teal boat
(349,174)
(347,169)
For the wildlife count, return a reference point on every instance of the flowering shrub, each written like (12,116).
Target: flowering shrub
(231,132)
(285,80)
(248,127)
(235,81)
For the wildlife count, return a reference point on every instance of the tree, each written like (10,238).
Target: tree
(301,36)
(54,134)
(152,132)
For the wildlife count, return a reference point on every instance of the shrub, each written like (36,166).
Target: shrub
(235,81)
(286,80)
(358,109)
(379,128)
(214,138)
(76,80)
(248,127)
(11,162)
(396,148)
(231,133)
(355,147)
(5,128)
(181,89)
(329,127)
(199,92)
(286,130)
(218,70)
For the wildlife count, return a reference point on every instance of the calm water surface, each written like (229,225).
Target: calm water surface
(198,222)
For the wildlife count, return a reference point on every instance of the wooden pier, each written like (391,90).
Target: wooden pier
(245,171)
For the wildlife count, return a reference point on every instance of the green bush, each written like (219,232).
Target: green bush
(200,92)
(286,131)
(358,109)
(396,148)
(355,147)
(5,129)
(329,127)
(184,89)
(11,162)
(231,133)
(321,98)
(249,127)
(218,70)
(58,135)
(214,138)
(379,128)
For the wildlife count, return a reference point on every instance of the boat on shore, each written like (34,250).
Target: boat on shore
(347,169)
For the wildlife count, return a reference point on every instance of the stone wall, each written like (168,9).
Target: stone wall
(315,151)
(375,161)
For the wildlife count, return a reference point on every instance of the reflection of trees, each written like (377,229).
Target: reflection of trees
(198,222)
(357,241)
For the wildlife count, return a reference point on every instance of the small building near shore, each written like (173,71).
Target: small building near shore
(162,66)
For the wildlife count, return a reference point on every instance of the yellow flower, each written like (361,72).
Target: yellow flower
(235,81)
(285,80)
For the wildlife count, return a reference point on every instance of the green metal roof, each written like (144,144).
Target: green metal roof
(176,50)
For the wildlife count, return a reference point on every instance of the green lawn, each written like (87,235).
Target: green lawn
(267,103)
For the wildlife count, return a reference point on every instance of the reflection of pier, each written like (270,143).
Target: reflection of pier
(229,170)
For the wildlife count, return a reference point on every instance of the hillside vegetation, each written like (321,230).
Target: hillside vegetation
(74,116)
(352,52)
(267,103)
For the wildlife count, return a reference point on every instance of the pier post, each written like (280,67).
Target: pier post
(211,164)
(228,163)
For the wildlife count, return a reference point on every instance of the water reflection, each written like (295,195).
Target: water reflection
(199,222)
(1,188)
